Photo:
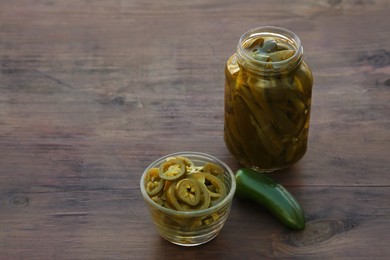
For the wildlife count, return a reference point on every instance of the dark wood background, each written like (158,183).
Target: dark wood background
(91,92)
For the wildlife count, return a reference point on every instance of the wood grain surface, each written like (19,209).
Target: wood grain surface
(91,92)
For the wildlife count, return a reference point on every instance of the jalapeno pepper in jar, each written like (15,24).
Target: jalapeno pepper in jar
(267,100)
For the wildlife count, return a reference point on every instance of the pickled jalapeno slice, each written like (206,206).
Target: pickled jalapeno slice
(181,185)
(213,169)
(172,200)
(172,169)
(213,184)
(187,162)
(188,191)
(154,184)
(188,195)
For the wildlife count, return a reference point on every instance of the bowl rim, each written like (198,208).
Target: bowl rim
(197,155)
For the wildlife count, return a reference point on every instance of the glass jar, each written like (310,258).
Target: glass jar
(267,100)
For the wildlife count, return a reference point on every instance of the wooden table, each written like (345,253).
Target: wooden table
(91,92)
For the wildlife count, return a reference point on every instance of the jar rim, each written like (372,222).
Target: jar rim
(278,32)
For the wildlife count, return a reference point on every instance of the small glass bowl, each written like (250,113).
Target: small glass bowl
(191,228)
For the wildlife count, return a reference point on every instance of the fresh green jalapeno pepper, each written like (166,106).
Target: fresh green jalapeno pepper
(257,187)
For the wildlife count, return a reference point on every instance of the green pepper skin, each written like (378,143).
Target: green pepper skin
(257,187)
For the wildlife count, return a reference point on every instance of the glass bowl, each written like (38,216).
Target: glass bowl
(191,228)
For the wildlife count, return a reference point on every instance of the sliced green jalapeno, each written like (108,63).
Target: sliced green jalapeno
(172,169)
(181,185)
(154,183)
(213,169)
(188,195)
(172,200)
(214,185)
(187,162)
(188,191)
